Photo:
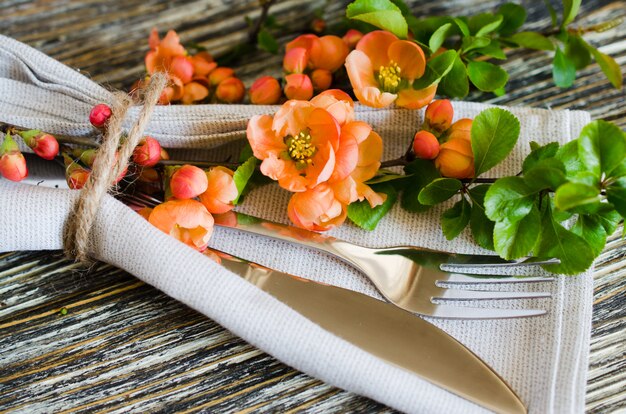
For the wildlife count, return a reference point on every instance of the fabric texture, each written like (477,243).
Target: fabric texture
(544,359)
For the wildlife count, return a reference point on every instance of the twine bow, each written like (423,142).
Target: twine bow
(108,165)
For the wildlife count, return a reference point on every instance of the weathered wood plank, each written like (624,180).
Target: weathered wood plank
(125,346)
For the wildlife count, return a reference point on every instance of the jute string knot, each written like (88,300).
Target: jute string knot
(108,165)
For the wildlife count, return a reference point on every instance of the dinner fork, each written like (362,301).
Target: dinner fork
(412,278)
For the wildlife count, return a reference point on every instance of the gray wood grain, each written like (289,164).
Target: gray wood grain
(124,346)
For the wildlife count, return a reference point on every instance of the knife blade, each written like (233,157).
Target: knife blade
(387,332)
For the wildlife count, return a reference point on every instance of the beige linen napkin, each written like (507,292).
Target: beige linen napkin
(544,359)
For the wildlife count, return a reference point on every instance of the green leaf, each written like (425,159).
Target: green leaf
(545,174)
(532,40)
(484,23)
(437,39)
(539,154)
(385,177)
(436,68)
(576,50)
(439,190)
(456,218)
(494,134)
(462,26)
(509,198)
(514,17)
(513,240)
(486,76)
(563,70)
(556,241)
(590,228)
(471,43)
(616,194)
(455,84)
(481,226)
(572,196)
(568,154)
(609,220)
(609,66)
(267,42)
(552,12)
(242,176)
(601,147)
(380,13)
(570,10)
(422,173)
(245,153)
(493,50)
(366,217)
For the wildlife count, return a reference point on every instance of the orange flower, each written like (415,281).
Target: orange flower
(338,103)
(221,191)
(382,69)
(456,159)
(298,86)
(230,90)
(438,116)
(296,60)
(321,79)
(188,181)
(316,209)
(425,145)
(297,146)
(186,220)
(164,51)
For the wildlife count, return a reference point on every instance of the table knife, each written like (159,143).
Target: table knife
(387,332)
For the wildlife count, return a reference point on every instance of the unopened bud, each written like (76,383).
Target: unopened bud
(298,86)
(318,25)
(439,114)
(147,153)
(296,60)
(425,145)
(44,145)
(218,75)
(321,79)
(12,162)
(188,182)
(100,115)
(230,90)
(265,91)
(77,177)
(352,37)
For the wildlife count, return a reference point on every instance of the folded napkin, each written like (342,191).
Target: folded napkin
(544,359)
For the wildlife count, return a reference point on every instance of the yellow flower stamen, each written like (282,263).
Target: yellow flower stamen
(300,149)
(389,77)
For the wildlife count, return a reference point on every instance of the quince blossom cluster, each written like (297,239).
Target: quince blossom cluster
(448,144)
(192,78)
(317,150)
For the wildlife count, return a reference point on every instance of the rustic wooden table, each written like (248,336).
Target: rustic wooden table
(123,345)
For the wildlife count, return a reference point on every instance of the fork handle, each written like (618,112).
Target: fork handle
(328,244)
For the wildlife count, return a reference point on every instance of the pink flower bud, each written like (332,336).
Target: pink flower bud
(425,145)
(44,145)
(147,153)
(265,91)
(296,60)
(188,182)
(352,37)
(220,74)
(12,162)
(438,117)
(298,86)
(230,90)
(182,68)
(321,79)
(99,115)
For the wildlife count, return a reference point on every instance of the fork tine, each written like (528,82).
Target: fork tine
(457,312)
(495,261)
(459,294)
(466,278)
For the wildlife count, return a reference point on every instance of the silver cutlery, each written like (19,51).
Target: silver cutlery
(411,278)
(386,332)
